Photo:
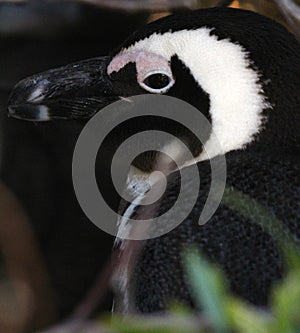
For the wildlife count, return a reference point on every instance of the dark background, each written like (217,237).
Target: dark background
(36,159)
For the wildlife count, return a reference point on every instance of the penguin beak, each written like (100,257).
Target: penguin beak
(75,91)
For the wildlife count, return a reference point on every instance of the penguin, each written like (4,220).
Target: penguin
(242,72)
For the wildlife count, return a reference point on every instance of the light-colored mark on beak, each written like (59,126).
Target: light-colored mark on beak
(43,113)
(36,96)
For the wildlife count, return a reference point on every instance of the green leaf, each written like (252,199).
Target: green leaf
(245,318)
(286,303)
(291,257)
(208,290)
(153,324)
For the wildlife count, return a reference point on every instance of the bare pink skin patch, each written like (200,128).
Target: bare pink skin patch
(146,63)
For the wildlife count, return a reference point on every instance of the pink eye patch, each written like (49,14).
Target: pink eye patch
(146,63)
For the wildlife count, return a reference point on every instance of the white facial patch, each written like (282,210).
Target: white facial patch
(221,68)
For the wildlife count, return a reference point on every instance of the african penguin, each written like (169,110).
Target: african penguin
(242,71)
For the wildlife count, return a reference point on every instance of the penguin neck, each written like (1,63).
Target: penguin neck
(281,133)
(281,81)
(284,143)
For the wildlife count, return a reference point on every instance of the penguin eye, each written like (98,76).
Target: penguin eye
(157,82)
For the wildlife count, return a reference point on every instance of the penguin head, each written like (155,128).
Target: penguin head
(240,69)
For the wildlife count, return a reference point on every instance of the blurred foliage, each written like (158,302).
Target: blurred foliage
(221,312)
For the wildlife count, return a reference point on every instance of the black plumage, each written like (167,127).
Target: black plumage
(248,254)
(267,170)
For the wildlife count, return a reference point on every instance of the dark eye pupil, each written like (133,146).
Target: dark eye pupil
(157,81)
